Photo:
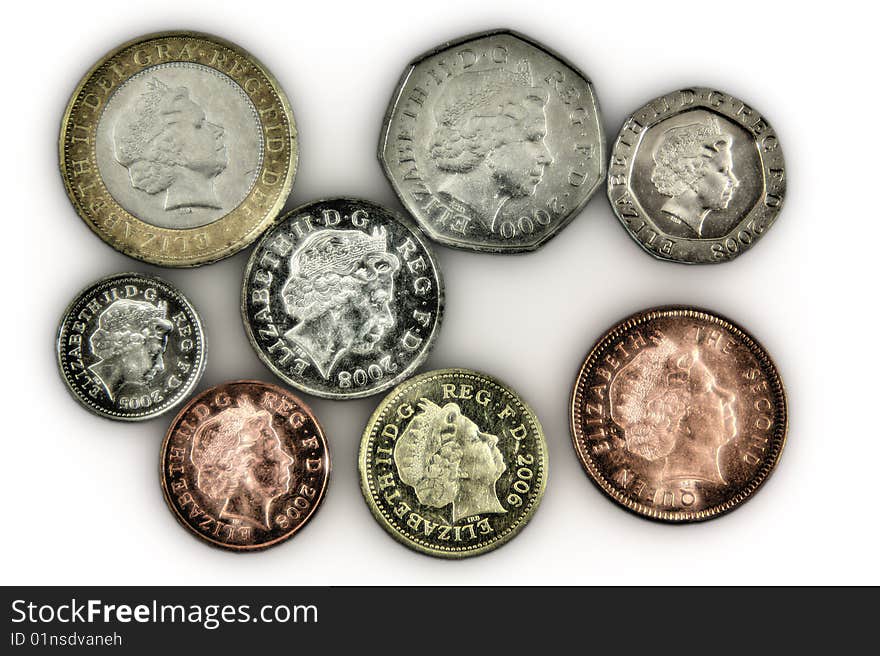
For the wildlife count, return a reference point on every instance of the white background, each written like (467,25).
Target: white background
(82,495)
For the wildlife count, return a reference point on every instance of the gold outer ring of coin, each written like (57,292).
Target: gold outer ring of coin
(534,499)
(780,410)
(302,515)
(187,247)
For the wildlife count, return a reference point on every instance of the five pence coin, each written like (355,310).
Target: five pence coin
(130,347)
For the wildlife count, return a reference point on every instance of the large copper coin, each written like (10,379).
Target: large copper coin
(678,414)
(244,465)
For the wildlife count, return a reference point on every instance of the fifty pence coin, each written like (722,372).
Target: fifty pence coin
(130,346)
(178,148)
(493,142)
(453,463)
(696,176)
(678,414)
(342,299)
(244,465)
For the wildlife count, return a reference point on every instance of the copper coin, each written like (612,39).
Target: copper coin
(244,465)
(678,414)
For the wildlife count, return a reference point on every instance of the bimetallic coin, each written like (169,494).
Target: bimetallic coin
(493,142)
(696,176)
(244,465)
(178,148)
(678,414)
(342,299)
(453,463)
(130,347)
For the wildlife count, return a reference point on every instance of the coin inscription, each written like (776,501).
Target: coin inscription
(130,347)
(678,414)
(493,142)
(178,148)
(244,465)
(696,176)
(342,299)
(453,463)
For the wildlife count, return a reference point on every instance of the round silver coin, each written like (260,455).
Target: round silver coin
(130,346)
(342,299)
(696,176)
(493,142)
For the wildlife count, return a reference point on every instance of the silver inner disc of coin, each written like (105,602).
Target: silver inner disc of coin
(179,145)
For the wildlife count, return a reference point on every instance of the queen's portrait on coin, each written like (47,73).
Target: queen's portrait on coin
(670,408)
(241,464)
(168,145)
(129,342)
(693,167)
(339,290)
(488,140)
(447,459)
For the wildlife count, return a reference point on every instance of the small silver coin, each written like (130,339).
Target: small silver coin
(130,347)
(696,176)
(342,299)
(493,142)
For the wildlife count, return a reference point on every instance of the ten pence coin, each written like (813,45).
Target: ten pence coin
(453,463)
(342,299)
(678,414)
(696,176)
(493,142)
(130,347)
(244,465)
(178,148)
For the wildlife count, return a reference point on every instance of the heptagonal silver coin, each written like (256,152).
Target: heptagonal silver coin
(493,142)
(696,176)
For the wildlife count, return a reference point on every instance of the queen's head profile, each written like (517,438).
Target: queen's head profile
(671,408)
(129,342)
(241,464)
(447,459)
(165,141)
(488,140)
(339,291)
(693,167)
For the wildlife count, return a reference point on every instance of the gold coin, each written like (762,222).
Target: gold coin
(453,463)
(178,148)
